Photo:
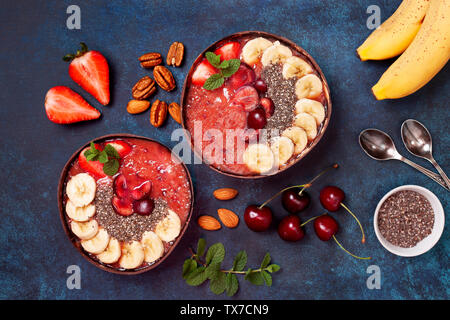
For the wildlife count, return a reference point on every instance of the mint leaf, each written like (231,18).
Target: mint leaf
(214,81)
(103,157)
(233,66)
(265,261)
(218,285)
(273,268)
(93,148)
(91,156)
(267,278)
(247,273)
(224,64)
(201,246)
(255,278)
(216,253)
(111,151)
(213,270)
(240,261)
(213,59)
(232,284)
(188,266)
(111,167)
(196,277)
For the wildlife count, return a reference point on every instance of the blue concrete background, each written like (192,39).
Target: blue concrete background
(34,249)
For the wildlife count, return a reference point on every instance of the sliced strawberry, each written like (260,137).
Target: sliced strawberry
(141,191)
(122,206)
(93,167)
(63,106)
(230,50)
(247,97)
(244,76)
(121,146)
(202,72)
(90,70)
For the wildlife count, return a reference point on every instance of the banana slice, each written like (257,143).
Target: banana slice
(308,86)
(98,243)
(252,50)
(277,53)
(80,214)
(307,123)
(282,148)
(84,230)
(112,252)
(298,137)
(296,67)
(169,228)
(259,158)
(313,107)
(81,189)
(153,246)
(132,255)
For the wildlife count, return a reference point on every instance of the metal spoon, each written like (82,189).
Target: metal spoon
(379,146)
(417,140)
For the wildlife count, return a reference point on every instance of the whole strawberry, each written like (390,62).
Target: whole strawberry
(90,70)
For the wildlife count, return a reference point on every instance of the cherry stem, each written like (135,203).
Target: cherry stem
(311,219)
(363,240)
(280,192)
(354,256)
(334,166)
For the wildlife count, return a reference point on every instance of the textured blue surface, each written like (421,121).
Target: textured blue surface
(34,249)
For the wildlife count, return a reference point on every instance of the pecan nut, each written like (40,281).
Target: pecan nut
(158,113)
(150,59)
(164,78)
(175,111)
(137,106)
(144,88)
(175,55)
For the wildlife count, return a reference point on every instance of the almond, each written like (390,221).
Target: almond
(137,106)
(225,193)
(208,223)
(228,218)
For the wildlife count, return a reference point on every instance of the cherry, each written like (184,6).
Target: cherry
(331,198)
(256,119)
(260,85)
(141,190)
(295,200)
(247,97)
(120,186)
(290,228)
(326,228)
(258,218)
(143,207)
(243,76)
(268,106)
(122,206)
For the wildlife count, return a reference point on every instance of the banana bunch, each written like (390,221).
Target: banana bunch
(80,192)
(419,30)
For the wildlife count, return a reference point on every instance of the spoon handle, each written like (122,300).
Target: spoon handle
(426,172)
(441,172)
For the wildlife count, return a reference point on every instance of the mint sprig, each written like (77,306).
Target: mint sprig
(226,69)
(108,156)
(197,270)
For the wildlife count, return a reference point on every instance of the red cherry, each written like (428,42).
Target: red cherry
(120,186)
(247,97)
(260,85)
(331,198)
(256,119)
(268,106)
(257,218)
(122,206)
(243,76)
(142,190)
(144,207)
(290,228)
(293,201)
(326,227)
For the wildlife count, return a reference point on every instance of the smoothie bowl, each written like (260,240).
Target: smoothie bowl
(125,202)
(253,104)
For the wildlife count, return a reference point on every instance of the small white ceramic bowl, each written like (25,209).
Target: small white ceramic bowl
(427,243)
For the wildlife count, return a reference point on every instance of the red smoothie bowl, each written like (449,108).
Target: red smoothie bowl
(266,116)
(129,220)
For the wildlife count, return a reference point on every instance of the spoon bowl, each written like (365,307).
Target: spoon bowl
(377,144)
(417,139)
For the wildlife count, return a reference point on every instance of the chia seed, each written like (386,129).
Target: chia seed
(405,218)
(120,227)
(282,93)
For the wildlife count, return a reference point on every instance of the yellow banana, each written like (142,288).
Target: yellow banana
(396,33)
(425,56)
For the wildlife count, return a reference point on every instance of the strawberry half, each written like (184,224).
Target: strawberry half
(202,72)
(90,70)
(121,146)
(93,167)
(230,50)
(63,106)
